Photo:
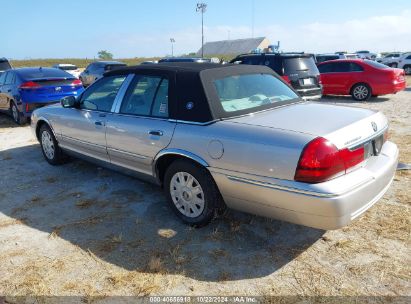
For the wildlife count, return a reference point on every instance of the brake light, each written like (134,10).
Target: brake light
(321,161)
(29,85)
(77,83)
(287,79)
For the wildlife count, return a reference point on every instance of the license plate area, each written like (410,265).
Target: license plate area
(307,81)
(373,147)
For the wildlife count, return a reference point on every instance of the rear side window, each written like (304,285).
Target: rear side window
(354,67)
(147,96)
(100,96)
(275,63)
(342,67)
(9,78)
(409,57)
(376,64)
(4,65)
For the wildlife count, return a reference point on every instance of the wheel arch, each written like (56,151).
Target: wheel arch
(40,122)
(361,82)
(164,158)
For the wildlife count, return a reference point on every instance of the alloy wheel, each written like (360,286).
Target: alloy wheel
(360,92)
(47,144)
(187,194)
(408,70)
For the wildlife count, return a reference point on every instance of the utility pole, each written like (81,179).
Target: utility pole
(201,7)
(252,17)
(172,40)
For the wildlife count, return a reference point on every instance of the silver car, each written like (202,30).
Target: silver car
(232,136)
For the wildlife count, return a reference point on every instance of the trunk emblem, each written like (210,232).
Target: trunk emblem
(374,126)
(58,89)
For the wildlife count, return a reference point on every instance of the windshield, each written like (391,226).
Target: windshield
(4,65)
(293,65)
(376,64)
(243,92)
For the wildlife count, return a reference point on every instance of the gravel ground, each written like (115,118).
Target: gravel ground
(82,230)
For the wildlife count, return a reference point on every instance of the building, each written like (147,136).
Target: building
(234,47)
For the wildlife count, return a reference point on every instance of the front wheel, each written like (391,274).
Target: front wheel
(49,146)
(361,92)
(407,69)
(192,193)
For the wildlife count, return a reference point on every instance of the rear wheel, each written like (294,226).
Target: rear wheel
(49,146)
(361,92)
(16,115)
(394,65)
(407,69)
(192,193)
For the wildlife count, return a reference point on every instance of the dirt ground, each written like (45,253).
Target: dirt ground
(82,230)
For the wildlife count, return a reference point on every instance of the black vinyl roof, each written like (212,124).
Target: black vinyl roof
(192,97)
(167,66)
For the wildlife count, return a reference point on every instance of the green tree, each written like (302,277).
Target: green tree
(105,55)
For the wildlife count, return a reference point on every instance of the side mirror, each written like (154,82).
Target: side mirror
(69,102)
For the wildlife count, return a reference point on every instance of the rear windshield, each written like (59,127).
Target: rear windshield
(326,58)
(376,64)
(68,67)
(300,64)
(110,67)
(43,73)
(4,65)
(251,92)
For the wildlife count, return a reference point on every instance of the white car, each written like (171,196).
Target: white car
(404,62)
(390,59)
(69,68)
(366,55)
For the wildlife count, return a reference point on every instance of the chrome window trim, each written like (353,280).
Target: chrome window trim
(115,108)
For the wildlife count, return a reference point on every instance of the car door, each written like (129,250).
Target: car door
(7,90)
(83,129)
(140,127)
(3,105)
(328,77)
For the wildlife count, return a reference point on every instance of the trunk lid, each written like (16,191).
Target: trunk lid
(343,126)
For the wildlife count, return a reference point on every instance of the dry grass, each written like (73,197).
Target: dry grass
(10,222)
(51,179)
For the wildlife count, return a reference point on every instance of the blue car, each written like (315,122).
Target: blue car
(25,89)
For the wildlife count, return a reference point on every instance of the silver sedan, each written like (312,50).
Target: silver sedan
(226,136)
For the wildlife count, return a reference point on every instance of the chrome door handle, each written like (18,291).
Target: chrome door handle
(156,133)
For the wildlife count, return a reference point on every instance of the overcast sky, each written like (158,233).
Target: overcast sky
(133,28)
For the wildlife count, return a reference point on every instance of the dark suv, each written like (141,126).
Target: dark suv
(298,69)
(4,65)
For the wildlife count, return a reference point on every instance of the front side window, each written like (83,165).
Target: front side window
(354,67)
(147,96)
(254,91)
(101,95)
(9,78)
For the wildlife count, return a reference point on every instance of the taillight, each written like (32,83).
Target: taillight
(29,85)
(321,161)
(76,83)
(286,78)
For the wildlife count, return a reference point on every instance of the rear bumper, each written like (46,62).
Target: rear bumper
(312,93)
(329,205)
(27,108)
(390,89)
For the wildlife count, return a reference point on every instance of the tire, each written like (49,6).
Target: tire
(16,115)
(407,69)
(394,65)
(197,202)
(361,92)
(49,146)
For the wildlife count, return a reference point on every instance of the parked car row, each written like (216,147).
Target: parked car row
(311,76)
(238,136)
(398,60)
